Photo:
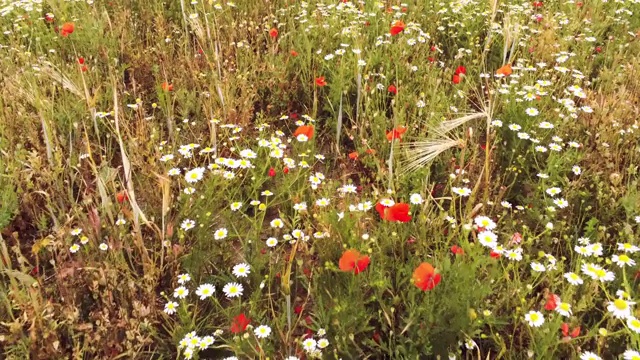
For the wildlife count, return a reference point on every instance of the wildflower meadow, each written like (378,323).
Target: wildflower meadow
(320,179)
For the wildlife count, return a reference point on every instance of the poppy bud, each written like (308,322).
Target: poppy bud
(457,250)
(167,87)
(122,196)
(575,333)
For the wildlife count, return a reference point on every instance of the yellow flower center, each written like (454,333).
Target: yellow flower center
(620,304)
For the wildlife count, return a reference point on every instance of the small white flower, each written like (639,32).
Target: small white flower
(277,223)
(537,267)
(488,239)
(323,343)
(461,191)
(620,308)
(74,248)
(104,247)
(170,307)
(205,291)
(183,278)
(220,234)
(588,355)
(241,270)
(271,242)
(322,202)
(623,260)
(416,199)
(573,278)
(561,203)
(232,290)
(564,309)
(187,224)
(262,331)
(485,222)
(576,170)
(534,318)
(194,175)
(180,292)
(309,345)
(631,355)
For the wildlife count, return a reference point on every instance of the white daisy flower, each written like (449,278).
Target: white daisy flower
(620,308)
(170,307)
(262,331)
(220,234)
(241,270)
(205,291)
(534,318)
(232,290)
(181,292)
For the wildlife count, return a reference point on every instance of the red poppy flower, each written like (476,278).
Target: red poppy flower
(396,133)
(320,81)
(285,170)
(392,89)
(81,60)
(495,254)
(293,53)
(352,260)
(457,250)
(397,27)
(306,130)
(273,33)
(456,79)
(537,4)
(353,155)
(67,29)
(49,17)
(552,302)
(167,87)
(565,329)
(371,151)
(461,70)
(272,172)
(425,277)
(240,323)
(505,70)
(396,213)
